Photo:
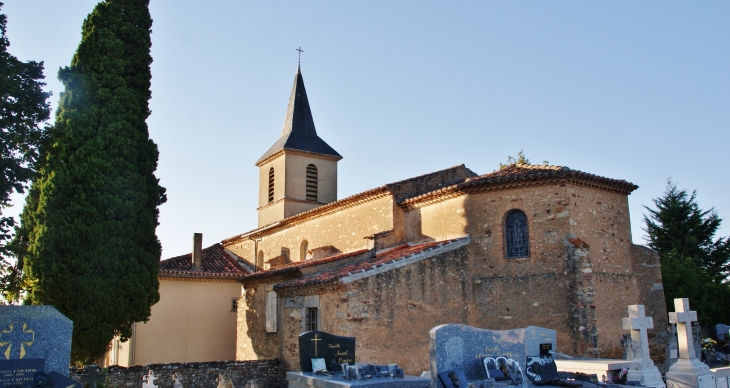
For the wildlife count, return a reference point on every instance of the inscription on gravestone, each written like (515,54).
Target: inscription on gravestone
(19,373)
(463,347)
(334,349)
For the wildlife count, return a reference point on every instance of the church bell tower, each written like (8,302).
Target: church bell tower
(299,172)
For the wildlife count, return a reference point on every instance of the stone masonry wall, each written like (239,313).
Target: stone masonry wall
(245,374)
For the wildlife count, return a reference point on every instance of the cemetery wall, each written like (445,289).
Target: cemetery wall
(265,373)
(344,229)
(198,311)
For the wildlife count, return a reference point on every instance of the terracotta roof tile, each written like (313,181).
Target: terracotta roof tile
(216,263)
(388,257)
(293,268)
(377,192)
(525,173)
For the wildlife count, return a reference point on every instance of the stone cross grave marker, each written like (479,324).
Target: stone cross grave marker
(149,380)
(455,347)
(34,339)
(642,367)
(688,371)
(334,349)
(92,376)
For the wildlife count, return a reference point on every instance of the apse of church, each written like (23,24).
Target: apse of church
(521,246)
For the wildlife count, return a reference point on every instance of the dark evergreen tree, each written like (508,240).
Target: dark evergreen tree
(88,230)
(679,225)
(694,263)
(23,108)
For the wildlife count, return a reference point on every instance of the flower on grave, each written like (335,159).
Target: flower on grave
(708,344)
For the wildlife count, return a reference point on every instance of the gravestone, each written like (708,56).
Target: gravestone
(455,347)
(335,350)
(149,380)
(92,375)
(688,371)
(34,339)
(720,332)
(642,368)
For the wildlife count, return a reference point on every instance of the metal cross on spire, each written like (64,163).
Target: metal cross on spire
(300,54)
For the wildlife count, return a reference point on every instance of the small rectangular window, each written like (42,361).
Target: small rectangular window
(311,319)
(234,304)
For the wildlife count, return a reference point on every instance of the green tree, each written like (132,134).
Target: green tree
(520,159)
(694,263)
(23,108)
(87,235)
(679,225)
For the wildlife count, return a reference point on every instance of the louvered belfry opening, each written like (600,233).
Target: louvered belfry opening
(312,183)
(271,184)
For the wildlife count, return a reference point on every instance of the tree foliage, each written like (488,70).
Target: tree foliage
(87,235)
(23,108)
(694,263)
(520,159)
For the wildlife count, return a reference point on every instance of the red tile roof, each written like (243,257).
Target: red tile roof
(294,268)
(216,263)
(378,192)
(391,258)
(516,175)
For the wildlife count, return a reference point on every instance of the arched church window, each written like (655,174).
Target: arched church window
(517,237)
(271,184)
(311,182)
(303,250)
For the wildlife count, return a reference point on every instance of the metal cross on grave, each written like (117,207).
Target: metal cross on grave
(683,317)
(14,338)
(638,323)
(315,339)
(93,376)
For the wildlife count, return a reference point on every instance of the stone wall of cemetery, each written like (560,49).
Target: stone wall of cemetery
(245,374)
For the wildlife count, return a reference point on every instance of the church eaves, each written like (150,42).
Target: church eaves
(298,132)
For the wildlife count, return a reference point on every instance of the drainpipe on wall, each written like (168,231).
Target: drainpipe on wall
(197,250)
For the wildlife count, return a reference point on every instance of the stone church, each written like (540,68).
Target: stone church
(524,245)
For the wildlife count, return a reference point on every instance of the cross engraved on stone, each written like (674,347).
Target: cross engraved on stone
(315,339)
(16,337)
(638,322)
(149,380)
(683,317)
(93,376)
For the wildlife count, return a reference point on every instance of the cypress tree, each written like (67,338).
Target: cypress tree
(88,230)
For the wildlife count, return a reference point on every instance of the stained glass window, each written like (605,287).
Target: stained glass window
(517,239)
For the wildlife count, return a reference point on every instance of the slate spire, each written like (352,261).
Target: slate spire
(298,132)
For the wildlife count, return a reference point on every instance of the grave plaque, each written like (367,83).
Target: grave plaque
(334,349)
(19,373)
(35,332)
(455,347)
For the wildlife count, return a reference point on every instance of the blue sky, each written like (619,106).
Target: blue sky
(629,90)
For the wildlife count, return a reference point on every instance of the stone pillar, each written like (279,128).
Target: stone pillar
(582,309)
(688,371)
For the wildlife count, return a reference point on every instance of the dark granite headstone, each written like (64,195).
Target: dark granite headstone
(19,373)
(36,332)
(334,349)
(719,332)
(455,347)
(54,380)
